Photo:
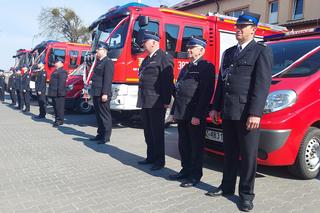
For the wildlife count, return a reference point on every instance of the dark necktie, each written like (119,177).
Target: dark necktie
(238,50)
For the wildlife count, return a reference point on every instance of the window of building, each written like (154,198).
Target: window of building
(236,13)
(172,32)
(297,9)
(188,32)
(273,12)
(73,58)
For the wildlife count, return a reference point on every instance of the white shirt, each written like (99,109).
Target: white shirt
(153,53)
(244,44)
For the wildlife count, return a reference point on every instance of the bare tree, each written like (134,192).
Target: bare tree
(62,23)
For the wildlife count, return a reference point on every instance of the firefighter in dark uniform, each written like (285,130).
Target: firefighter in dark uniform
(2,85)
(25,90)
(57,91)
(40,87)
(154,96)
(12,87)
(102,92)
(241,93)
(18,84)
(194,89)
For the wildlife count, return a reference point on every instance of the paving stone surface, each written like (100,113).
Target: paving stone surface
(46,169)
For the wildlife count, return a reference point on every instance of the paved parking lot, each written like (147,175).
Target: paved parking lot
(46,169)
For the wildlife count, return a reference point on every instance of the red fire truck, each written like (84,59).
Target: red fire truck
(290,126)
(73,53)
(121,28)
(22,57)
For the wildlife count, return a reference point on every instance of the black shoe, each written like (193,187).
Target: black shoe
(245,205)
(17,107)
(26,110)
(144,162)
(103,141)
(156,167)
(97,138)
(178,176)
(58,123)
(189,183)
(218,192)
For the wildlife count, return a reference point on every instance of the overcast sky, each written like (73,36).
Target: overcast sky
(19,20)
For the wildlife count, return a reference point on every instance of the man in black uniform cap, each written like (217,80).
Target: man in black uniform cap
(194,89)
(102,92)
(2,85)
(241,93)
(57,91)
(12,87)
(18,84)
(154,96)
(40,87)
(25,90)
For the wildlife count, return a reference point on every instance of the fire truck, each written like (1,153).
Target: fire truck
(290,126)
(73,53)
(22,57)
(121,28)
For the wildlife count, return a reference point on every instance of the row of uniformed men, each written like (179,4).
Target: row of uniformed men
(19,89)
(240,96)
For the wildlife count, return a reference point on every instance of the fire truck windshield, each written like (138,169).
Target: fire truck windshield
(23,59)
(114,33)
(286,53)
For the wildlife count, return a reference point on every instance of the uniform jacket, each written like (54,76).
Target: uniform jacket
(193,91)
(102,78)
(57,84)
(11,82)
(2,82)
(18,82)
(25,82)
(155,81)
(244,82)
(40,83)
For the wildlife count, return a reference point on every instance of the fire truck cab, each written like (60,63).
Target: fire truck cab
(120,28)
(73,54)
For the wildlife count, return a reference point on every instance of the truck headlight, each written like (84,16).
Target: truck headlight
(279,100)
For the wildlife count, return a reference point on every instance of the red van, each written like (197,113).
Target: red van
(290,126)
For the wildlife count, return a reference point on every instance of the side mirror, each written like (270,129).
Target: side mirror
(140,37)
(93,35)
(51,60)
(143,21)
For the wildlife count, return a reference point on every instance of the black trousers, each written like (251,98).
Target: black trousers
(42,104)
(25,101)
(58,108)
(153,126)
(19,97)
(2,94)
(103,116)
(239,142)
(13,96)
(191,145)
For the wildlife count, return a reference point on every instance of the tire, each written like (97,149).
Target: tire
(307,163)
(83,107)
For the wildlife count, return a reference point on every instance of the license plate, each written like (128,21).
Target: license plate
(214,135)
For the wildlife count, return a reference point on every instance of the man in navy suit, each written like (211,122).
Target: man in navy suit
(240,97)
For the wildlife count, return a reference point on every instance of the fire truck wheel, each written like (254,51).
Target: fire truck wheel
(308,159)
(83,107)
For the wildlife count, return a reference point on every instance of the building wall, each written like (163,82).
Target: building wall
(311,9)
